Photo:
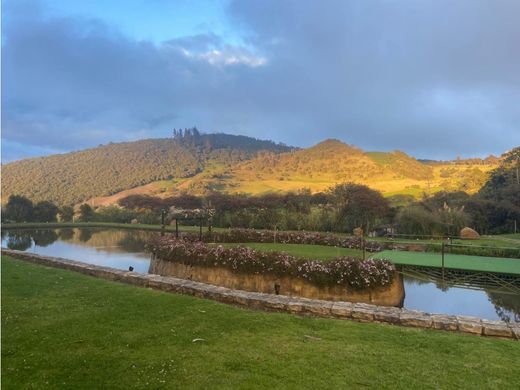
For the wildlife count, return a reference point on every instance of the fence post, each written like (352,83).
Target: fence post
(163,214)
(442,250)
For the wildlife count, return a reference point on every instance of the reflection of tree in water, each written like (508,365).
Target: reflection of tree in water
(85,235)
(19,240)
(66,234)
(44,237)
(506,305)
(132,242)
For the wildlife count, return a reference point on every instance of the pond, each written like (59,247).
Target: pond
(119,248)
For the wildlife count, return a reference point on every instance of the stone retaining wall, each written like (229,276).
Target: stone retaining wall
(391,295)
(355,311)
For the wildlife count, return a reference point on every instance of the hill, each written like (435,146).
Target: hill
(331,162)
(76,177)
(200,163)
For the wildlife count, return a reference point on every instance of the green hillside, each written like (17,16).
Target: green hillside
(75,177)
(200,163)
(331,162)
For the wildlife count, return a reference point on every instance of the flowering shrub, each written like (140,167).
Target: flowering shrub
(344,271)
(283,237)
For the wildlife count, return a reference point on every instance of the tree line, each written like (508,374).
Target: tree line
(494,209)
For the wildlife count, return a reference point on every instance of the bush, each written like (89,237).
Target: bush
(344,271)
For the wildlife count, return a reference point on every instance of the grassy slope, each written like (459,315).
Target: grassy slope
(322,166)
(64,330)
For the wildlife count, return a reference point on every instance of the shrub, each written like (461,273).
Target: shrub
(344,271)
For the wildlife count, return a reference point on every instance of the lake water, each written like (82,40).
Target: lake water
(119,248)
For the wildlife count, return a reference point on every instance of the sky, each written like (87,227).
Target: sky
(435,78)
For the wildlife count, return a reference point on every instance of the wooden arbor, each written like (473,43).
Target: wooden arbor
(176,214)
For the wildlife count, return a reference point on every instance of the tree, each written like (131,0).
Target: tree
(66,214)
(357,205)
(86,213)
(19,209)
(45,211)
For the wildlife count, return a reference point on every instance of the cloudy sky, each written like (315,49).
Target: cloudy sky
(436,79)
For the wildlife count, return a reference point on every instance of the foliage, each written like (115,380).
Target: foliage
(86,213)
(45,211)
(66,213)
(18,209)
(344,271)
(357,206)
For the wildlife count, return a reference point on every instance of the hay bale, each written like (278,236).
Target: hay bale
(358,232)
(469,234)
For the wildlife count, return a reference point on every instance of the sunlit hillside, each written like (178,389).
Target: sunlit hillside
(322,166)
(107,169)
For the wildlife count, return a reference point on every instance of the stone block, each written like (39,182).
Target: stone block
(319,308)
(444,322)
(415,318)
(496,328)
(342,309)
(515,330)
(387,314)
(469,324)
(363,312)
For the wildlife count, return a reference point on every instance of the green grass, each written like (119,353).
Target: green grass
(65,330)
(455,261)
(319,252)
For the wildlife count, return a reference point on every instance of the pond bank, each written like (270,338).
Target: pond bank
(345,310)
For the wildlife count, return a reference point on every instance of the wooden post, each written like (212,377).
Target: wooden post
(363,246)
(163,214)
(200,229)
(442,250)
(176,228)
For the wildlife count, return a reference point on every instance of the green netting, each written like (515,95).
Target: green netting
(454,261)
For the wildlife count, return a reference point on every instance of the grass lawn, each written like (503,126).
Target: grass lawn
(319,252)
(65,330)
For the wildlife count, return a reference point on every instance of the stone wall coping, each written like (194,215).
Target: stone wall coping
(361,312)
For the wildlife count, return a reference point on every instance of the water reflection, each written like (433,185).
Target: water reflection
(44,237)
(17,240)
(101,246)
(122,249)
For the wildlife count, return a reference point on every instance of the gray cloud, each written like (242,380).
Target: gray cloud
(435,78)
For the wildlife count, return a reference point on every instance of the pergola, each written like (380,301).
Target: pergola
(174,214)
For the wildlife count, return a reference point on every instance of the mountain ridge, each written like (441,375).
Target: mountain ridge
(199,163)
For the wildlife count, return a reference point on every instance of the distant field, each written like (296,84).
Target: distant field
(319,252)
